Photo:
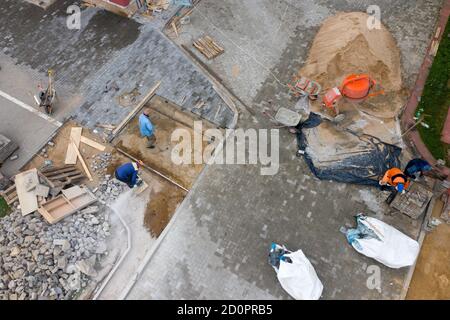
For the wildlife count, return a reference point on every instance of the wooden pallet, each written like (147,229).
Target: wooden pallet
(10,195)
(63,176)
(57,177)
(208,47)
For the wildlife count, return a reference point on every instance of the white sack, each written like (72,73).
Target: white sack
(299,278)
(395,250)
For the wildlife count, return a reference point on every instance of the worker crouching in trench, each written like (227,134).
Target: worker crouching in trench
(129,173)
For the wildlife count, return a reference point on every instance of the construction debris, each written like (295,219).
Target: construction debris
(38,259)
(71,201)
(414,202)
(208,47)
(92,143)
(83,163)
(75,137)
(25,182)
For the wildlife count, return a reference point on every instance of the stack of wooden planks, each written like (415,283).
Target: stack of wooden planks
(57,177)
(73,152)
(63,176)
(208,47)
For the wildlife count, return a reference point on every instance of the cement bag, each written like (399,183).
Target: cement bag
(378,240)
(299,278)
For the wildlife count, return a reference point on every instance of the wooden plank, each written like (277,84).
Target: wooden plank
(61,207)
(92,143)
(85,167)
(46,180)
(174,26)
(73,192)
(27,199)
(208,47)
(65,175)
(58,169)
(75,135)
(135,110)
(200,48)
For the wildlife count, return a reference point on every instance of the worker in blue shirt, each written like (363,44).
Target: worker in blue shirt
(416,168)
(128,173)
(146,128)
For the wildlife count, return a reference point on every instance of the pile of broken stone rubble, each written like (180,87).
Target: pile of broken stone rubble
(42,261)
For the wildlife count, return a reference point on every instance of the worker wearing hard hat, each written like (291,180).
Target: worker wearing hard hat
(396,179)
(128,173)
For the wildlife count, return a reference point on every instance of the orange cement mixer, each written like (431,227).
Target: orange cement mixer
(355,87)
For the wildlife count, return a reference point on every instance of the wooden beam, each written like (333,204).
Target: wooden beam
(92,143)
(85,167)
(75,135)
(174,26)
(135,110)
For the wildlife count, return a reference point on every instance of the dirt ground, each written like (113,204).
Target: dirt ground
(431,279)
(164,198)
(57,153)
(159,158)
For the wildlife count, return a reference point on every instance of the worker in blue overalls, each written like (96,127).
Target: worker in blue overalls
(129,173)
(416,168)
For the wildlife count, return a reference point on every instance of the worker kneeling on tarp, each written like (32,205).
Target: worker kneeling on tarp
(128,173)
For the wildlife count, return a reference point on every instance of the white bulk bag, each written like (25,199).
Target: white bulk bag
(395,250)
(299,278)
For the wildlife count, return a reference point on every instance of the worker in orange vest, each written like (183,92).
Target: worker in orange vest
(394,179)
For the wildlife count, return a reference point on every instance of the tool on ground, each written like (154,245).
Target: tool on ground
(355,87)
(285,117)
(302,87)
(46,97)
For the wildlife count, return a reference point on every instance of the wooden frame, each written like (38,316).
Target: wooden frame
(71,201)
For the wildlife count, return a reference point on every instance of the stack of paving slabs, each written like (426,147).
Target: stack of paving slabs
(208,47)
(414,202)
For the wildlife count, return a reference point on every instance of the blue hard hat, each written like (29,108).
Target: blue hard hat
(400,187)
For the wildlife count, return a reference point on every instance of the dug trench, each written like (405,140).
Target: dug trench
(166,197)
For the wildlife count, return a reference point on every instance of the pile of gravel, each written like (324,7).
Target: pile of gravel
(43,261)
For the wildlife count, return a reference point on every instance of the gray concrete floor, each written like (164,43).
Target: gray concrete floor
(24,128)
(218,241)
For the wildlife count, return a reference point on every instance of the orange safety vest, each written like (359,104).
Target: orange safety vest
(395,176)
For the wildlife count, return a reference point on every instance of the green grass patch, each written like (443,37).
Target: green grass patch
(436,100)
(4,208)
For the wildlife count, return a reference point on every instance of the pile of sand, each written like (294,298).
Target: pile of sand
(345,45)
